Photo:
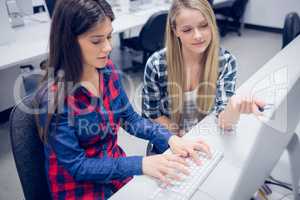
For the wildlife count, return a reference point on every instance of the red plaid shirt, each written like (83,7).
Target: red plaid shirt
(83,159)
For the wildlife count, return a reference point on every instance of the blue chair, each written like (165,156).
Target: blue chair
(28,152)
(232,12)
(50,6)
(150,39)
(31,79)
(291,28)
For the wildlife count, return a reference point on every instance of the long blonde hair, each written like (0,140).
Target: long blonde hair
(176,73)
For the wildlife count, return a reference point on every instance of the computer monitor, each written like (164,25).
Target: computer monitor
(273,138)
(6,33)
(25,6)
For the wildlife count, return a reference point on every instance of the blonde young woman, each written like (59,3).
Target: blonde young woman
(192,76)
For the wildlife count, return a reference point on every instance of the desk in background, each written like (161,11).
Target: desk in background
(31,40)
(31,46)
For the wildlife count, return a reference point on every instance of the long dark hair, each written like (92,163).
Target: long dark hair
(70,19)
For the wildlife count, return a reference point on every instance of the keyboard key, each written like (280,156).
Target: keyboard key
(184,189)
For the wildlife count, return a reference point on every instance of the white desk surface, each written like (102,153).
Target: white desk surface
(236,147)
(31,40)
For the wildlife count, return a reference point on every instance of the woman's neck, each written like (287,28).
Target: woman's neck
(88,73)
(191,59)
(90,79)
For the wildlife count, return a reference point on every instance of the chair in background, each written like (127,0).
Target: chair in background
(150,38)
(28,152)
(31,79)
(211,2)
(50,6)
(231,13)
(291,28)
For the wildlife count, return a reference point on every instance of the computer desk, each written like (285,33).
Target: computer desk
(235,145)
(31,40)
(31,45)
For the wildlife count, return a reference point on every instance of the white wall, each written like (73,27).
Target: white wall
(270,13)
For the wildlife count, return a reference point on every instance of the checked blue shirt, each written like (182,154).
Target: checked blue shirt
(155,101)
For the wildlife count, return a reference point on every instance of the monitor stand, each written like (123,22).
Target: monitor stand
(6,33)
(293,149)
(15,14)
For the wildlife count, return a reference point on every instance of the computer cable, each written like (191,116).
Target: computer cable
(278,184)
(267,190)
(272,181)
(279,181)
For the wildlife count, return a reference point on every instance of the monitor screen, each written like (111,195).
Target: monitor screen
(25,7)
(6,33)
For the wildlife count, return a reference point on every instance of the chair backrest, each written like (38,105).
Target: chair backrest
(291,28)
(238,8)
(50,6)
(28,152)
(31,78)
(211,2)
(31,83)
(152,35)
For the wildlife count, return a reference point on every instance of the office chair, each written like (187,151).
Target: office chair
(232,12)
(211,2)
(291,28)
(28,152)
(150,39)
(31,79)
(50,6)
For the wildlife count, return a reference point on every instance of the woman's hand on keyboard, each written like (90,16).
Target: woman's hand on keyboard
(189,148)
(165,167)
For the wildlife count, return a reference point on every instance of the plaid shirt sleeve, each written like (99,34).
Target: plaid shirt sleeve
(142,127)
(226,84)
(69,153)
(151,95)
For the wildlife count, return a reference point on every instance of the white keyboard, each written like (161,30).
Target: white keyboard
(184,189)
